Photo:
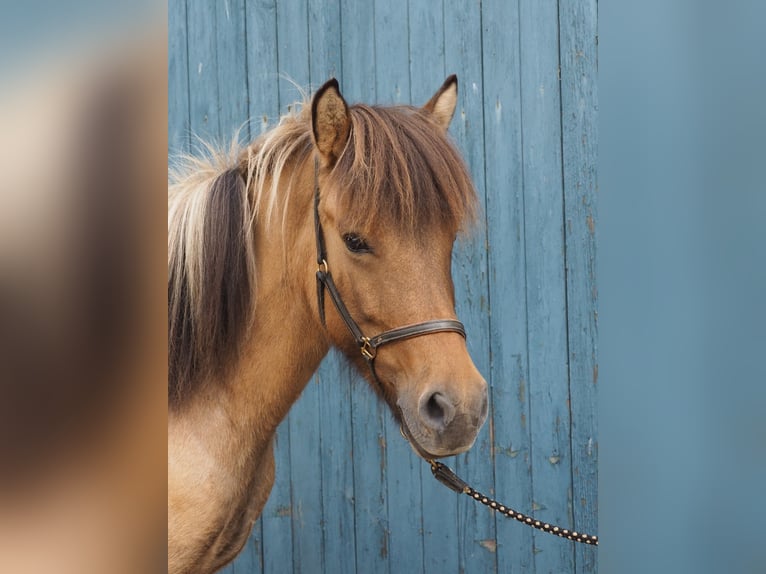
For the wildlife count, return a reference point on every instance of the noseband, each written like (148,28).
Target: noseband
(368,346)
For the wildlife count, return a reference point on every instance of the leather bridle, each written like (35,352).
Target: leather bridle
(368,346)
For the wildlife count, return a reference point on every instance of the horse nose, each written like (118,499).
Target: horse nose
(436,410)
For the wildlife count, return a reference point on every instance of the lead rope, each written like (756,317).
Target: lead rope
(446,476)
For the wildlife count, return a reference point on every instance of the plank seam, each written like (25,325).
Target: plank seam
(188,81)
(248,122)
(488,267)
(526,284)
(566,276)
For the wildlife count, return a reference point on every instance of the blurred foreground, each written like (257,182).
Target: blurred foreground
(82,310)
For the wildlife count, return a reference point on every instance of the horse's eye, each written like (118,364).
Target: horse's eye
(355,244)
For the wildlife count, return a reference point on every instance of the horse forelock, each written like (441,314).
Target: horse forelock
(401,171)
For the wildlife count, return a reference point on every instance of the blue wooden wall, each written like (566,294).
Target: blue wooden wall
(350,496)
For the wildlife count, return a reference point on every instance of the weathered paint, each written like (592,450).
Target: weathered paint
(350,496)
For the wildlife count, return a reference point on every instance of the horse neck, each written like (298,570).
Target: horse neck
(287,341)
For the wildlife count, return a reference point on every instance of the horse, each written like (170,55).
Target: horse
(377,197)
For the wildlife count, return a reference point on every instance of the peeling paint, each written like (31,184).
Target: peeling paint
(591,224)
(489,544)
(554,459)
(283,511)
(512,453)
(384,546)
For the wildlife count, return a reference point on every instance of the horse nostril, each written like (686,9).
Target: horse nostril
(437,412)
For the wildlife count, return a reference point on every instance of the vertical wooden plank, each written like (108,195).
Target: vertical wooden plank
(325,40)
(426,41)
(277,516)
(403,467)
(507,278)
(546,282)
(250,560)
(203,85)
(293,50)
(262,66)
(358,50)
(427,72)
(392,52)
(272,534)
(337,465)
(303,421)
(306,483)
(231,71)
(335,390)
(368,414)
(578,55)
(178,78)
(462,25)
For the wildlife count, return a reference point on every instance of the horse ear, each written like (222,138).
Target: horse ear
(330,121)
(441,107)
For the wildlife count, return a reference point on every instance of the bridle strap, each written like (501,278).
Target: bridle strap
(416,330)
(321,250)
(325,281)
(368,346)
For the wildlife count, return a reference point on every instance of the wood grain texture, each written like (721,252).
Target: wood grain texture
(545,281)
(368,415)
(403,467)
(428,70)
(178,78)
(579,65)
(262,67)
(509,372)
(350,496)
(463,56)
(231,48)
(203,70)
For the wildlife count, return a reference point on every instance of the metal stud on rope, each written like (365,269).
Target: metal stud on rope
(446,476)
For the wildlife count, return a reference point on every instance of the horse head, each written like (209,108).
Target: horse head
(392,194)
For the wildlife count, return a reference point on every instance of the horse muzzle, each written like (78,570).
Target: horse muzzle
(440,424)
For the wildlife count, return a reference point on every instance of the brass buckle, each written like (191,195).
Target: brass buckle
(367,350)
(323,267)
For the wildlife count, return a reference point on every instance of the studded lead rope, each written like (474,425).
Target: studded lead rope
(446,476)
